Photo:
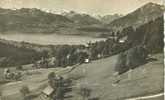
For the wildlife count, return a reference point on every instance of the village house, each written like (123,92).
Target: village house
(48,92)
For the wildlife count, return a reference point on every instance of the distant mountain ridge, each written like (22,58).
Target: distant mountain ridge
(109,18)
(81,19)
(31,20)
(146,13)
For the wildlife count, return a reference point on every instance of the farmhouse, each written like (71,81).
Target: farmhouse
(48,91)
(122,40)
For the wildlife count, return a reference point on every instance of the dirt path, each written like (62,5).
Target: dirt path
(147,97)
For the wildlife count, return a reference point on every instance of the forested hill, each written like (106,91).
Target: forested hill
(142,15)
(150,34)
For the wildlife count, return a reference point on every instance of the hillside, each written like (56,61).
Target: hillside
(98,76)
(150,34)
(81,19)
(109,18)
(19,53)
(139,17)
(31,20)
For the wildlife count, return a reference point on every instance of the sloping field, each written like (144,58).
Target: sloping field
(36,80)
(98,76)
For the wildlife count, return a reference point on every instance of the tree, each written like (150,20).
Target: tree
(51,75)
(120,65)
(128,31)
(59,94)
(136,56)
(51,79)
(25,92)
(84,92)
(131,59)
(0,94)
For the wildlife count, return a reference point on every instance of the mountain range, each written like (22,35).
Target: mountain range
(142,15)
(109,18)
(81,19)
(32,20)
(143,26)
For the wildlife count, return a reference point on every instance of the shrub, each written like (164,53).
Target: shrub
(25,90)
(19,68)
(51,75)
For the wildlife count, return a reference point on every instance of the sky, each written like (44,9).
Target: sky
(95,7)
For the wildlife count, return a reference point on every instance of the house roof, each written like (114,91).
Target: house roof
(48,90)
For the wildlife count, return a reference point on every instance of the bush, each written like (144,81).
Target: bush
(25,90)
(19,68)
(51,75)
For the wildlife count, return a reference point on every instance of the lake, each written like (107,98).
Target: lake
(48,39)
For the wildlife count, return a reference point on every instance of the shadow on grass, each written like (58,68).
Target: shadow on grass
(96,98)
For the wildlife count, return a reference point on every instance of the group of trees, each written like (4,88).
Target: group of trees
(149,34)
(60,86)
(143,40)
(11,55)
(106,48)
(25,91)
(67,55)
(131,59)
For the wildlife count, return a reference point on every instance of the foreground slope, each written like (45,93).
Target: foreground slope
(98,76)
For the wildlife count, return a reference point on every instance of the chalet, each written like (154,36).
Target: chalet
(48,91)
(87,60)
(51,61)
(124,39)
(46,94)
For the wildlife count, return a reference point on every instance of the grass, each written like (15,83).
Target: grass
(36,80)
(146,79)
(98,76)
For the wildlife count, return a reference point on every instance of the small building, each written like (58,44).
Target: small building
(87,60)
(122,40)
(51,61)
(48,91)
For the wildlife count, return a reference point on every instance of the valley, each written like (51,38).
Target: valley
(78,56)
